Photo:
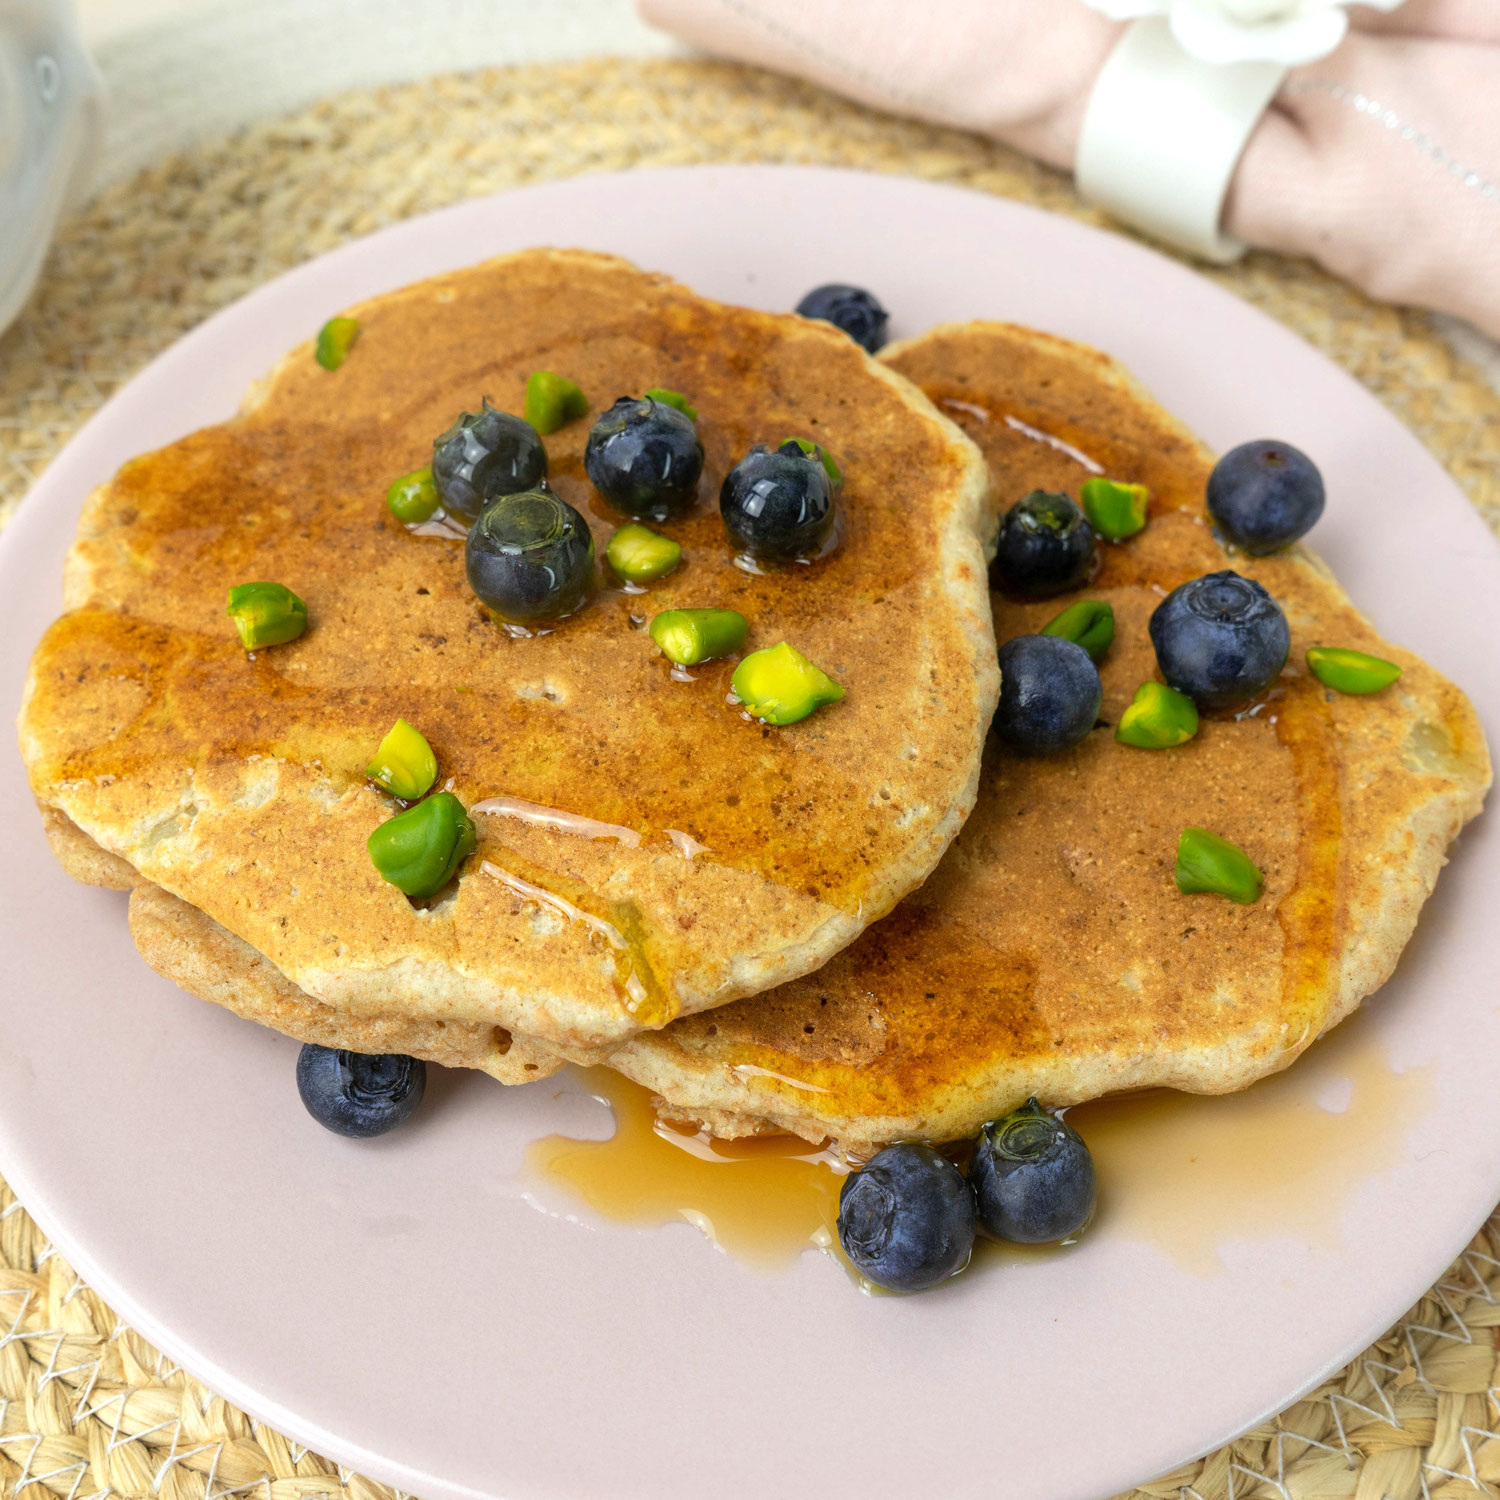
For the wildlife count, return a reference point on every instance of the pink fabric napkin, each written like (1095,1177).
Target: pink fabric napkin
(1382,161)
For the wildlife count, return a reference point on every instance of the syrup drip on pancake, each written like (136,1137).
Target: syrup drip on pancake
(619,924)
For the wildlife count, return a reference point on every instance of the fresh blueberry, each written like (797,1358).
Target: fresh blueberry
(359,1093)
(906,1218)
(1049,693)
(1264,495)
(645,458)
(1220,639)
(851,308)
(1033,1177)
(485,454)
(778,504)
(530,557)
(1046,546)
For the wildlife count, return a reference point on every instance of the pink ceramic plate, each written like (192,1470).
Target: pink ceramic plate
(404,1307)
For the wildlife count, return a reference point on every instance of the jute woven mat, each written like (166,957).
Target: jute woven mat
(86,1406)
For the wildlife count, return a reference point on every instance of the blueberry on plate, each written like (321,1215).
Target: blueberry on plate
(1046,546)
(1220,639)
(1264,495)
(906,1218)
(645,458)
(851,308)
(1033,1177)
(359,1094)
(778,504)
(1050,694)
(485,454)
(530,557)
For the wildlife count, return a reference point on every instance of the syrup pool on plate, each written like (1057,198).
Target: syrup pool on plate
(1181,1172)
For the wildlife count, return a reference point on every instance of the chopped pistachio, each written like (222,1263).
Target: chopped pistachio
(404,764)
(266,614)
(1348,671)
(335,339)
(419,850)
(414,497)
(673,398)
(830,467)
(552,401)
(1115,510)
(1157,718)
(640,555)
(688,636)
(1205,862)
(779,685)
(1089,623)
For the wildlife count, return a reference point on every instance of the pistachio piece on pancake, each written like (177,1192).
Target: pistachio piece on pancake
(335,339)
(551,401)
(266,614)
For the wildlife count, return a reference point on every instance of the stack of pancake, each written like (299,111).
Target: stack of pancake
(875,924)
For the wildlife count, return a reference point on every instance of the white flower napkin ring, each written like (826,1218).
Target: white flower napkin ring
(1177,100)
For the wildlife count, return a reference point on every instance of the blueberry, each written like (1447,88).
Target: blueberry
(851,308)
(1264,495)
(1046,546)
(530,557)
(485,454)
(645,458)
(359,1093)
(1033,1177)
(778,504)
(906,1218)
(1049,693)
(1220,639)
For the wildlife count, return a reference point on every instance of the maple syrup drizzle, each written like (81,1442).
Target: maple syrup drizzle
(557,820)
(1310,912)
(636,982)
(1182,1173)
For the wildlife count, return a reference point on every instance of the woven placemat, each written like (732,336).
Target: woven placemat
(87,1407)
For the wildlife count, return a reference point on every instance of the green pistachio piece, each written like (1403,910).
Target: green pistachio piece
(1347,671)
(780,686)
(835,474)
(1089,623)
(335,339)
(688,636)
(1205,862)
(414,497)
(1158,717)
(552,401)
(1115,510)
(673,398)
(404,764)
(640,555)
(266,614)
(419,850)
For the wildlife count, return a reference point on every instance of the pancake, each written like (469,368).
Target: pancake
(196,954)
(1051,954)
(656,853)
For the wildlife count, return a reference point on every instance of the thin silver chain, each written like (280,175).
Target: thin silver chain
(1424,143)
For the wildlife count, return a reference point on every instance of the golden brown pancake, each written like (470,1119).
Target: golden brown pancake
(236,783)
(1051,954)
(198,955)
